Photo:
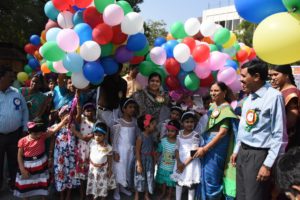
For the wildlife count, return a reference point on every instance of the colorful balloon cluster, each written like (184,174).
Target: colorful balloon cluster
(87,39)
(195,55)
(276,39)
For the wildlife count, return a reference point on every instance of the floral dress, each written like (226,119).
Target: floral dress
(64,160)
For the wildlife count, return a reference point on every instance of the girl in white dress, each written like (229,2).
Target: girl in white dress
(186,171)
(124,137)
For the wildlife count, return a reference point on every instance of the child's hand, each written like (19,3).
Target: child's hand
(66,119)
(116,157)
(87,137)
(139,168)
(25,174)
(109,173)
(180,167)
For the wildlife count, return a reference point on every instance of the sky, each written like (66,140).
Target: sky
(171,11)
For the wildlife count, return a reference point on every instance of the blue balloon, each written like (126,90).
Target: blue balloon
(232,63)
(35,40)
(159,41)
(29,56)
(52,34)
(189,65)
(169,46)
(73,62)
(50,11)
(93,71)
(181,76)
(77,8)
(256,10)
(230,51)
(109,65)
(84,31)
(78,17)
(136,42)
(33,63)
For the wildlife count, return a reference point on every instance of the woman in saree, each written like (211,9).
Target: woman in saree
(217,174)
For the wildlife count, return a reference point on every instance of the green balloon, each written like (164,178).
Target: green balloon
(125,6)
(106,50)
(27,69)
(237,46)
(50,66)
(177,30)
(101,4)
(142,52)
(52,52)
(213,47)
(222,36)
(292,5)
(214,74)
(162,73)
(69,74)
(146,68)
(192,82)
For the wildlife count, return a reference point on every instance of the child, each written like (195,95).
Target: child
(100,176)
(124,137)
(176,112)
(32,179)
(166,164)
(144,168)
(187,170)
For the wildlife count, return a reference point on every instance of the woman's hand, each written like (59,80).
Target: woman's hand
(116,157)
(199,153)
(180,167)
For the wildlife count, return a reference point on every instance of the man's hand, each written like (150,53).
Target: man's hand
(233,159)
(263,174)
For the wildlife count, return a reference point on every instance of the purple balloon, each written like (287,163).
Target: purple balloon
(123,55)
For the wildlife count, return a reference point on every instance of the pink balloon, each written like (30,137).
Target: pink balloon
(50,24)
(142,80)
(217,60)
(158,55)
(202,91)
(59,67)
(113,15)
(227,75)
(67,40)
(236,85)
(202,70)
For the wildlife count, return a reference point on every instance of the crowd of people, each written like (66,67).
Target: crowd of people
(124,138)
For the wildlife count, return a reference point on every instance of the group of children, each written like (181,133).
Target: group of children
(96,158)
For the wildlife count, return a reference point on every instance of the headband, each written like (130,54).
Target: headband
(34,124)
(187,113)
(63,109)
(128,101)
(98,129)
(89,105)
(176,108)
(171,127)
(147,120)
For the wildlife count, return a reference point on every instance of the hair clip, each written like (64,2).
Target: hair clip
(147,120)
(171,127)
(31,124)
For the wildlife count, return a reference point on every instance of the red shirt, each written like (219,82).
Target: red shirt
(32,147)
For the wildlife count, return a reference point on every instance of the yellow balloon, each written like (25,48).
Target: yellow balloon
(276,40)
(231,41)
(22,77)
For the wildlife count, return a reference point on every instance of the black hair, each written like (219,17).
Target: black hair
(4,69)
(38,127)
(102,125)
(154,74)
(40,77)
(177,108)
(285,69)
(229,97)
(124,102)
(188,115)
(287,170)
(174,123)
(259,67)
(140,122)
(132,67)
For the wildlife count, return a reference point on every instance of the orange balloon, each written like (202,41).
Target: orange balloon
(45,69)
(37,55)
(207,40)
(43,35)
(247,49)
(170,37)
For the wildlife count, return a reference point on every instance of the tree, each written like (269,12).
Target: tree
(134,4)
(154,29)
(245,32)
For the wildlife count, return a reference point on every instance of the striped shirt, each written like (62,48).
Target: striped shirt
(13,111)
(167,150)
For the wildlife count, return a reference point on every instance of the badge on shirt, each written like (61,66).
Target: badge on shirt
(17,103)
(251,119)
(215,113)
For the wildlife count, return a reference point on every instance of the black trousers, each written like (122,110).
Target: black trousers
(249,161)
(9,146)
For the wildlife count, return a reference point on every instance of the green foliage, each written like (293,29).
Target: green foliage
(134,4)
(245,32)
(154,29)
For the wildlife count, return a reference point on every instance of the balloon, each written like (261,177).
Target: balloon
(232,63)
(191,82)
(172,66)
(102,4)
(181,52)
(93,71)
(192,26)
(90,51)
(78,17)
(136,42)
(52,52)
(190,42)
(132,23)
(102,34)
(110,66)
(231,40)
(34,63)
(177,30)
(136,60)
(202,70)
(226,75)
(45,69)
(256,10)
(59,67)
(118,36)
(217,60)
(60,5)
(27,69)
(143,51)
(172,83)
(82,3)
(73,62)
(189,65)
(146,68)
(242,55)
(125,6)
(50,24)
(106,50)
(35,40)
(230,51)
(208,28)
(292,5)
(113,15)
(22,77)
(236,45)
(92,17)
(68,40)
(50,66)
(50,11)
(142,80)
(170,37)
(160,70)
(84,32)
(221,36)
(252,54)
(159,41)
(52,34)
(30,48)
(65,19)
(123,55)
(276,39)
(207,82)
(201,53)
(236,85)
(79,81)
(169,47)
(158,55)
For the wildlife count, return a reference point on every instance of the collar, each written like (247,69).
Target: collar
(260,92)
(10,89)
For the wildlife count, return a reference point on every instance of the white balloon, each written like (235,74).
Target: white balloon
(132,23)
(79,81)
(181,52)
(208,28)
(65,19)
(52,34)
(90,51)
(192,26)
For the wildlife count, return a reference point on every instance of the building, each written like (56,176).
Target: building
(225,16)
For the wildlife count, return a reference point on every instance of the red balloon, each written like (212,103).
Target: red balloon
(241,55)
(172,83)
(201,53)
(61,5)
(252,54)
(190,42)
(137,60)
(82,3)
(118,37)
(92,17)
(102,34)
(207,82)
(172,66)
(30,48)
